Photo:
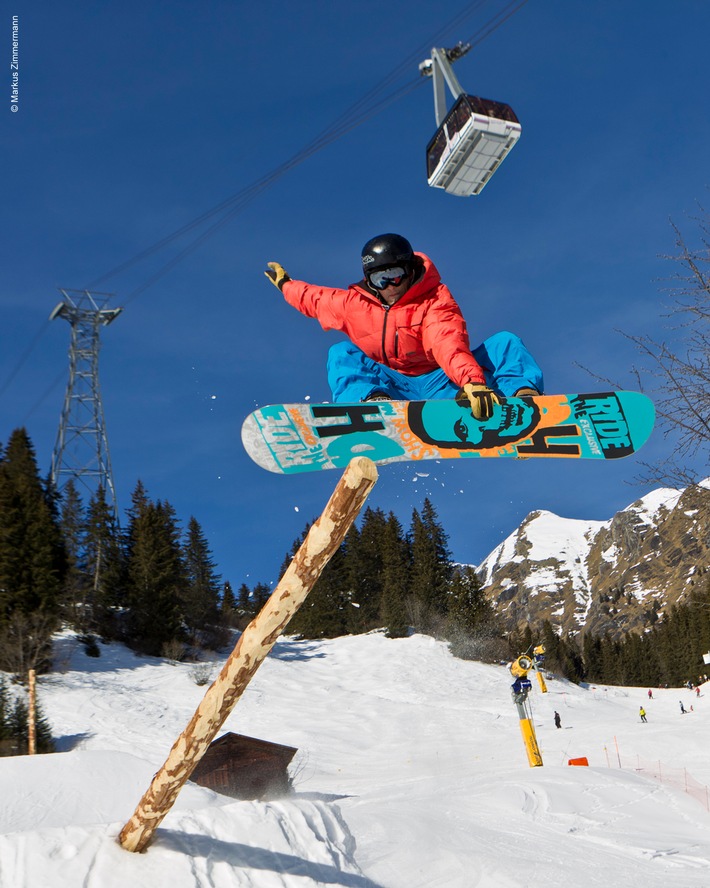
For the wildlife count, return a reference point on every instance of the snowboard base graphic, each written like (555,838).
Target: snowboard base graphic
(294,438)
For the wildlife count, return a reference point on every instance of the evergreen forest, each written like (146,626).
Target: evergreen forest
(150,584)
(154,586)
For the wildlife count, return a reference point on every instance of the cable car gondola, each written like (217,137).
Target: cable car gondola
(473,137)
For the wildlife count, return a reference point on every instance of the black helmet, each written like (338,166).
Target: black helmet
(386,250)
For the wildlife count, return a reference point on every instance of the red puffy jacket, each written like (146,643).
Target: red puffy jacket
(422,331)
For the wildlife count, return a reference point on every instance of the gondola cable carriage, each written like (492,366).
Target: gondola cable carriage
(473,137)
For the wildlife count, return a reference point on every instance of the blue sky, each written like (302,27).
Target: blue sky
(136,119)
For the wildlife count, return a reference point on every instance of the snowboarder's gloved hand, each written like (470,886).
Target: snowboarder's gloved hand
(479,398)
(277,275)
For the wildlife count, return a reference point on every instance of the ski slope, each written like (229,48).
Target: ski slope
(411,773)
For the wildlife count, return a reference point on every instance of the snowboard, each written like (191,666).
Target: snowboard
(294,438)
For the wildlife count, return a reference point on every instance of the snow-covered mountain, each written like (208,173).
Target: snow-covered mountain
(602,576)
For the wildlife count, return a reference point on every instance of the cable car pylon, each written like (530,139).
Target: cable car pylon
(81,450)
(473,137)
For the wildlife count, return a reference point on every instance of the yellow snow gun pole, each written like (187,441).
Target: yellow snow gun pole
(530,740)
(519,691)
(538,658)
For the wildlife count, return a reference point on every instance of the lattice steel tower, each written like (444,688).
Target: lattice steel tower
(81,451)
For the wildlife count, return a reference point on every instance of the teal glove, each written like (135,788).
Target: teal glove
(277,275)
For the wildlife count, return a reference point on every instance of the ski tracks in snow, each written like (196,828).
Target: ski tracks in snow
(289,844)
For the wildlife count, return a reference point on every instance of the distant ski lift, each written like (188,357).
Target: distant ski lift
(474,136)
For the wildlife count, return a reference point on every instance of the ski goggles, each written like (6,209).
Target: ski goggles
(387,277)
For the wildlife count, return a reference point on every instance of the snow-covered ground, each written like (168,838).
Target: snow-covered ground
(411,773)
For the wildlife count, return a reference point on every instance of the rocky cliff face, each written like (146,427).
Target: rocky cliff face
(600,576)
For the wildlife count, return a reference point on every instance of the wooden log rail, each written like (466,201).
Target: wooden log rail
(322,541)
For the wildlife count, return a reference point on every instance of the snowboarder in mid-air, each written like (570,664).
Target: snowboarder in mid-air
(408,337)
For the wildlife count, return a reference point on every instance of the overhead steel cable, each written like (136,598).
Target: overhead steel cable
(354,116)
(240,201)
(503,16)
(360,111)
(23,357)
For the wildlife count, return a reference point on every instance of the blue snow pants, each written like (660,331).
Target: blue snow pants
(506,362)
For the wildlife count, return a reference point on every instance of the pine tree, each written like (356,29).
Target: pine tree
(395,570)
(468,607)
(32,555)
(593,657)
(4,711)
(471,625)
(140,502)
(521,642)
(324,613)
(570,659)
(634,668)
(674,641)
(364,570)
(431,568)
(562,654)
(347,579)
(554,653)
(228,604)
(200,603)
(18,725)
(105,566)
(72,524)
(43,732)
(156,577)
(228,601)
(244,604)
(18,728)
(260,595)
(32,560)
(610,657)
